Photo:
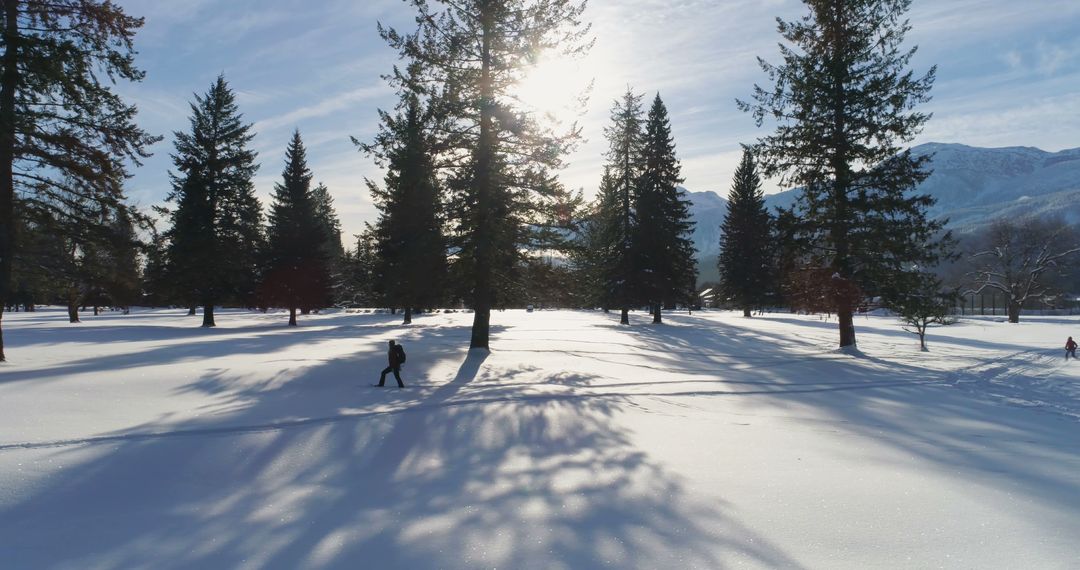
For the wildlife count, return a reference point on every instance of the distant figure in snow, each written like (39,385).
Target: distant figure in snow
(1070,348)
(396,355)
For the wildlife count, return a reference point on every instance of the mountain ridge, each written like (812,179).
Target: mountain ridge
(972,186)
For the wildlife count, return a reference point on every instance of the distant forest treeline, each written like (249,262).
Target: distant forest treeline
(471,209)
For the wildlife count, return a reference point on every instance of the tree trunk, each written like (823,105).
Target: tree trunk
(191,311)
(408,316)
(624,317)
(480,328)
(746,312)
(846,318)
(73,311)
(208,315)
(305,311)
(1014,312)
(657,312)
(96,310)
(483,182)
(9,82)
(292,316)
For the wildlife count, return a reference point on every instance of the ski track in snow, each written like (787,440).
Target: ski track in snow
(476,401)
(1028,378)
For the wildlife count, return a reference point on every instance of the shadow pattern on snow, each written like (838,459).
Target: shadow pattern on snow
(437,476)
(896,402)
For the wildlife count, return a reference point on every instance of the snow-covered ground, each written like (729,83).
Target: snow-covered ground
(712,441)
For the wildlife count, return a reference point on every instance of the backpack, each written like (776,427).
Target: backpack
(400,353)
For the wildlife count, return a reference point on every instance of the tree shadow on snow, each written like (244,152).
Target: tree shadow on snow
(896,402)
(439,475)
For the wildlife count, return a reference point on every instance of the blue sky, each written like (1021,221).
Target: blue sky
(1008,75)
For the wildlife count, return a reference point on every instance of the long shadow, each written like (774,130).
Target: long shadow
(974,343)
(444,477)
(925,417)
(476,469)
(172,344)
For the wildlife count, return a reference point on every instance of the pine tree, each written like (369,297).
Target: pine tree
(359,275)
(625,161)
(843,100)
(333,248)
(216,236)
(328,219)
(297,274)
(593,248)
(63,131)
(663,251)
(411,245)
(125,249)
(499,157)
(745,260)
(85,263)
(156,288)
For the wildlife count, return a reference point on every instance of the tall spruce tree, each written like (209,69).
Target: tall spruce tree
(663,251)
(216,236)
(297,273)
(745,260)
(591,254)
(625,161)
(500,158)
(357,282)
(411,245)
(328,220)
(64,133)
(843,100)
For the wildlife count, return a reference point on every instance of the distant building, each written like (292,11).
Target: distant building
(708,298)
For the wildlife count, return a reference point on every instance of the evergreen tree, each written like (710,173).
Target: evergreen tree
(63,131)
(745,247)
(331,227)
(157,290)
(84,263)
(663,250)
(625,160)
(499,157)
(297,274)
(328,219)
(123,287)
(590,257)
(411,245)
(31,283)
(843,100)
(359,276)
(216,236)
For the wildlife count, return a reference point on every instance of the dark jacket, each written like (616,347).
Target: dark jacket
(1070,344)
(394,356)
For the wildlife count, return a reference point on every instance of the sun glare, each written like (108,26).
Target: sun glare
(555,86)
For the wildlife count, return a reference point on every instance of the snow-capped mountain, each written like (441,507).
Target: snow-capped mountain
(972,186)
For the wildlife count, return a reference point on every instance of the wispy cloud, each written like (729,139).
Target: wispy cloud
(1008,75)
(324,107)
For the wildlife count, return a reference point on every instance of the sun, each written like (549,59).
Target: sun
(556,86)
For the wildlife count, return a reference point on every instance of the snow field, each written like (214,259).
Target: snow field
(712,441)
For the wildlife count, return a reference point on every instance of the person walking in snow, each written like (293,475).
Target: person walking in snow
(396,356)
(1070,348)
